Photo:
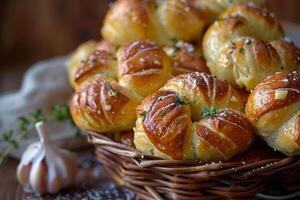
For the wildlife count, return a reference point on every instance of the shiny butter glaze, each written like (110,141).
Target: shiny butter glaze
(273,108)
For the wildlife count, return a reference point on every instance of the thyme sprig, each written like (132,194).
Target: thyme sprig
(24,124)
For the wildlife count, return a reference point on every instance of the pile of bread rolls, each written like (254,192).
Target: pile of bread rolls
(193,79)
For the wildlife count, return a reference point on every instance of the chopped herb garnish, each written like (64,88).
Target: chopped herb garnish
(108,86)
(144,115)
(209,112)
(161,113)
(248,41)
(178,100)
(113,93)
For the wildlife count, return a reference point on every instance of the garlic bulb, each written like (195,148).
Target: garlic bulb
(45,167)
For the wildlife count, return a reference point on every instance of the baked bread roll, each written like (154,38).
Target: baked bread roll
(186,58)
(109,87)
(213,8)
(245,45)
(81,54)
(273,108)
(162,21)
(193,116)
(159,21)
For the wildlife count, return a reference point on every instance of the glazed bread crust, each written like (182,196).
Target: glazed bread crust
(245,45)
(171,123)
(273,108)
(163,21)
(109,86)
(159,21)
(186,58)
(183,57)
(213,8)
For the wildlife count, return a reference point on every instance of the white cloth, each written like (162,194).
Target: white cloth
(44,85)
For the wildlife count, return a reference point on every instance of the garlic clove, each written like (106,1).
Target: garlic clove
(37,176)
(23,173)
(45,167)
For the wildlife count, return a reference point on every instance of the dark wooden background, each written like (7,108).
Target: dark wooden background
(33,30)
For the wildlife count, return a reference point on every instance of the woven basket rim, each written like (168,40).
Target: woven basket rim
(151,177)
(147,160)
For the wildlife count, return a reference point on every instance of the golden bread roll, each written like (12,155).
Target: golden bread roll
(80,54)
(245,45)
(159,21)
(289,55)
(104,106)
(193,116)
(143,67)
(124,138)
(213,8)
(273,108)
(186,58)
(110,86)
(162,21)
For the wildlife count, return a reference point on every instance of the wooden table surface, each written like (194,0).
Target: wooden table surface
(92,183)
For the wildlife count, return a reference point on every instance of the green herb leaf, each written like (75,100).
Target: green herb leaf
(23,123)
(248,41)
(113,93)
(178,100)
(209,112)
(108,86)
(14,143)
(37,115)
(161,113)
(144,115)
(61,113)
(7,136)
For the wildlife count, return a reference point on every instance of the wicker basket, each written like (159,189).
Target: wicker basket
(154,178)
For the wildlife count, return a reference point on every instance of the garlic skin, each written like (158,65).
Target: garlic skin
(45,167)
